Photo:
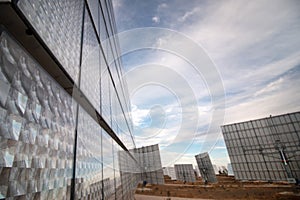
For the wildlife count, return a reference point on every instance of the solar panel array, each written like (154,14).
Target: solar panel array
(265,149)
(52,146)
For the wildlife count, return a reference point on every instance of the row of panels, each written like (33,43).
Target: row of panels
(38,122)
(72,31)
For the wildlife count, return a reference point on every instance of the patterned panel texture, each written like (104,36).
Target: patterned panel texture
(40,123)
(206,168)
(150,164)
(265,149)
(37,128)
(185,172)
(58,23)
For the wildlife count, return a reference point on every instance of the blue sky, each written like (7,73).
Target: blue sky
(254,47)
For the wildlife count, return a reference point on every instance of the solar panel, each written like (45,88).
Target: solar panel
(206,168)
(265,149)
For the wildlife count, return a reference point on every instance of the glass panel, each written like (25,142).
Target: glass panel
(206,168)
(108,167)
(59,24)
(260,149)
(117,174)
(90,68)
(37,117)
(94,7)
(88,158)
(37,129)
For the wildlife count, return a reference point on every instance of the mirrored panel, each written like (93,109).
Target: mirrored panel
(37,128)
(265,149)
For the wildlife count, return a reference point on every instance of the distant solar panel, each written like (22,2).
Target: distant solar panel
(206,168)
(185,172)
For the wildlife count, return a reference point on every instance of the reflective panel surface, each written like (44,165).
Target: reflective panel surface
(265,149)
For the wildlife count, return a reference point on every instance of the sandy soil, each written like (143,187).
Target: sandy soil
(149,197)
(226,188)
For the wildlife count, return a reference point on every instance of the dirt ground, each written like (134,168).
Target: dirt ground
(226,188)
(148,197)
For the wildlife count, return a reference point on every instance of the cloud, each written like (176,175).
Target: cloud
(255,47)
(278,97)
(162,6)
(163,137)
(138,115)
(156,19)
(220,147)
(271,87)
(188,14)
(117,4)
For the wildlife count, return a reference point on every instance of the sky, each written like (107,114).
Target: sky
(192,66)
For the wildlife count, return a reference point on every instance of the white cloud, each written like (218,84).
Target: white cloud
(156,19)
(220,161)
(163,137)
(162,6)
(230,26)
(117,4)
(188,14)
(138,115)
(219,147)
(284,98)
(170,158)
(271,87)
(254,46)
